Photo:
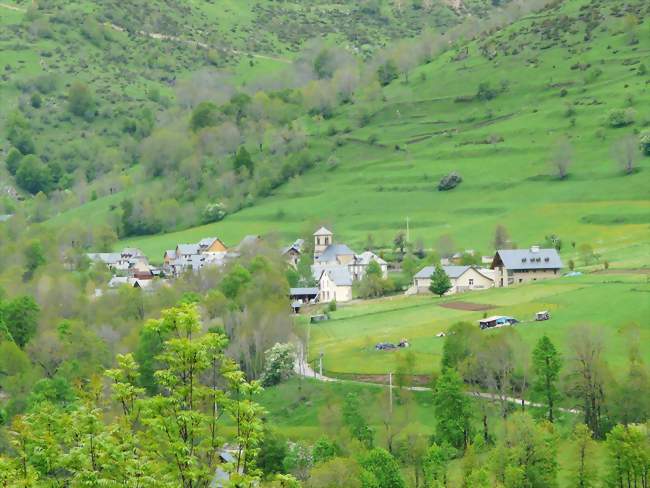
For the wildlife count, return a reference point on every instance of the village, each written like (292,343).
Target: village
(335,267)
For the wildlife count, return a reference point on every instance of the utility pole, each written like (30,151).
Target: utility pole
(390,391)
(408,237)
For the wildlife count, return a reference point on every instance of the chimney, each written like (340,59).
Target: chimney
(534,248)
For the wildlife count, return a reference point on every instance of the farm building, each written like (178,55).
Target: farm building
(463,278)
(515,266)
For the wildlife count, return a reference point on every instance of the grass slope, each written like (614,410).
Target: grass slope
(388,170)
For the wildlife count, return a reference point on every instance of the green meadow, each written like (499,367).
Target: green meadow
(618,304)
(386,168)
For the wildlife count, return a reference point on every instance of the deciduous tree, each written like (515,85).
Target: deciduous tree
(546,364)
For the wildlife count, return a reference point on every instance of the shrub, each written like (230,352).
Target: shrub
(80,100)
(450,181)
(36,100)
(486,91)
(644,142)
(32,175)
(204,115)
(13,159)
(620,117)
(278,364)
(213,212)
(387,72)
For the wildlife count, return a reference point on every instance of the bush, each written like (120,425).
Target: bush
(36,100)
(278,364)
(644,143)
(32,175)
(387,72)
(617,118)
(213,212)
(81,101)
(13,160)
(204,115)
(486,91)
(450,181)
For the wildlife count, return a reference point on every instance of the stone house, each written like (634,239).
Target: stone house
(335,284)
(517,266)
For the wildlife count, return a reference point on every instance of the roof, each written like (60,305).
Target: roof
(323,232)
(303,291)
(334,250)
(451,271)
(188,248)
(367,256)
(340,275)
(493,318)
(530,259)
(105,257)
(247,241)
(296,246)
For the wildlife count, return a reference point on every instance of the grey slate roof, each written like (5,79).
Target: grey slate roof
(340,275)
(303,291)
(452,271)
(188,248)
(105,257)
(323,232)
(365,257)
(517,259)
(334,250)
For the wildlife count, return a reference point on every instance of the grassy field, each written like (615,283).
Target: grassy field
(613,302)
(389,168)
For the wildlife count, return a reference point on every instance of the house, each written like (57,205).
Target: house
(335,284)
(516,266)
(293,252)
(129,260)
(212,244)
(303,295)
(361,262)
(463,278)
(209,251)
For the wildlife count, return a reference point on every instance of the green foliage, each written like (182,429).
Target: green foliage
(21,318)
(435,464)
(387,72)
(440,282)
(629,455)
(486,92)
(205,114)
(356,422)
(460,341)
(584,469)
(617,118)
(13,160)
(547,363)
(81,101)
(34,258)
(235,281)
(273,450)
(279,362)
(324,450)
(383,470)
(453,410)
(243,160)
(644,142)
(33,175)
(36,100)
(213,212)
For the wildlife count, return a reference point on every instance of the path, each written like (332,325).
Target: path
(303,368)
(165,37)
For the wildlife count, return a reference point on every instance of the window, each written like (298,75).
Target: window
(471,281)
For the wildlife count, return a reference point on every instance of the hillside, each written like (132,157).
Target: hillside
(552,77)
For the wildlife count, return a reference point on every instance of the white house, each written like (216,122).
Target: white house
(335,284)
(463,278)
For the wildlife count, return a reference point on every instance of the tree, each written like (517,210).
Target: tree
(400,242)
(587,375)
(501,237)
(383,469)
(387,72)
(205,114)
(452,409)
(486,92)
(235,281)
(587,253)
(546,364)
(356,422)
(562,157)
(440,282)
(80,100)
(632,393)
(584,471)
(273,450)
(626,152)
(243,160)
(279,363)
(435,463)
(34,257)
(335,473)
(13,160)
(324,450)
(628,451)
(33,175)
(21,317)
(528,454)
(460,343)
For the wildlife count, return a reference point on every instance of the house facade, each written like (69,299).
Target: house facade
(463,279)
(335,285)
(518,266)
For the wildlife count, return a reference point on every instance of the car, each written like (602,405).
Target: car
(543,315)
(385,346)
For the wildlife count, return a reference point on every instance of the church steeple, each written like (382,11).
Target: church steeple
(322,239)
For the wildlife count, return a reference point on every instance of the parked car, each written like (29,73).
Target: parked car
(385,346)
(318,318)
(543,315)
